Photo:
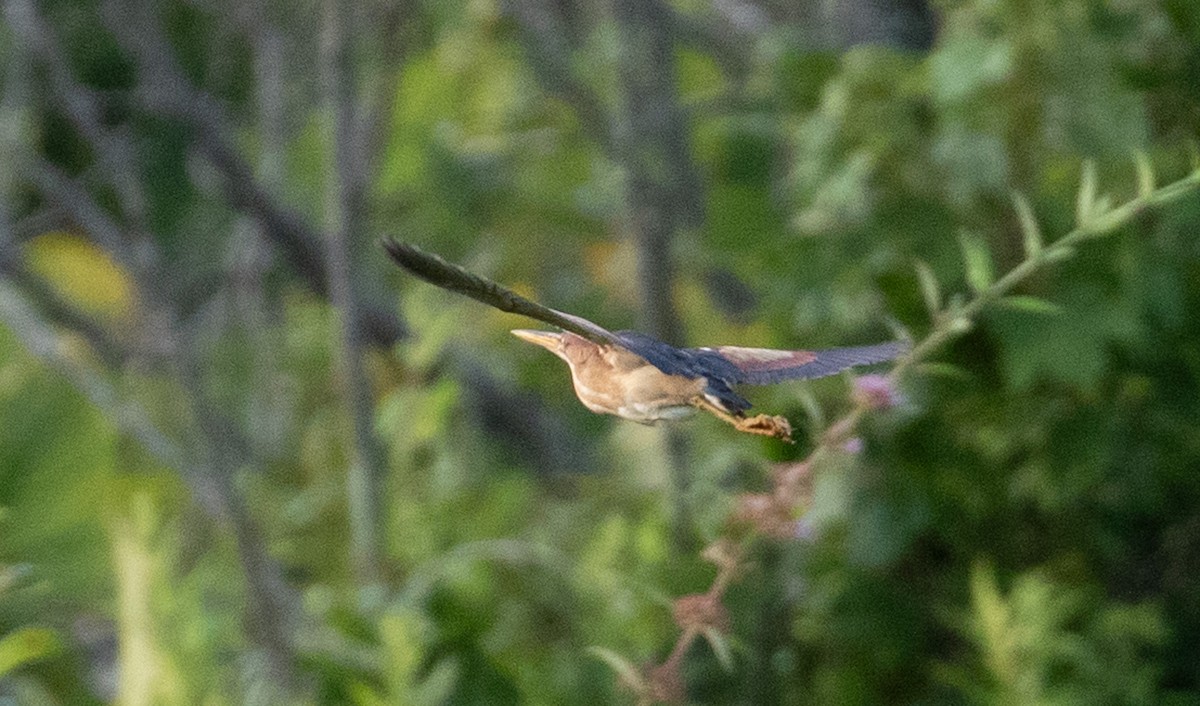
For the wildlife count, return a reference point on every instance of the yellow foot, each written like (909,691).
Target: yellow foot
(766,425)
(763,424)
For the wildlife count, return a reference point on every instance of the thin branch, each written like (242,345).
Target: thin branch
(163,88)
(398,26)
(70,195)
(249,254)
(545,37)
(662,189)
(729,43)
(953,321)
(344,190)
(271,615)
(49,217)
(210,479)
(116,155)
(947,326)
(51,304)
(43,343)
(662,194)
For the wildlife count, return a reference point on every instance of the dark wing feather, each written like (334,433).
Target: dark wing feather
(764,366)
(435,270)
(688,362)
(754,366)
(729,399)
(726,366)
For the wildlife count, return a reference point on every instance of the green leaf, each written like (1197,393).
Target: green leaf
(929,287)
(1145,173)
(1085,200)
(962,68)
(978,262)
(812,407)
(1068,349)
(438,685)
(956,303)
(1030,231)
(945,370)
(1059,252)
(961,324)
(720,648)
(364,695)
(900,332)
(629,675)
(9,575)
(1034,305)
(24,646)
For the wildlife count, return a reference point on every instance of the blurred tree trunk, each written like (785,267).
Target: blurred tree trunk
(662,192)
(662,189)
(343,217)
(904,24)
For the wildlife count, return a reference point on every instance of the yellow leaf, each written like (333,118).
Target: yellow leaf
(82,273)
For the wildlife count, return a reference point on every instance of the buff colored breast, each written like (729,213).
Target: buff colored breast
(624,384)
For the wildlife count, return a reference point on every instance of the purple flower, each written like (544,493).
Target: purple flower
(804,530)
(876,392)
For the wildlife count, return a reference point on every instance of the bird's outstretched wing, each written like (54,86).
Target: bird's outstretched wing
(729,365)
(766,366)
(437,271)
(735,365)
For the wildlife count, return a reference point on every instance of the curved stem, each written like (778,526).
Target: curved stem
(947,326)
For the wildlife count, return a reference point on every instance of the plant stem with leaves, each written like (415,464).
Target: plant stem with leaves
(773,514)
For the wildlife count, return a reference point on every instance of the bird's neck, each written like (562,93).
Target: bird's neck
(592,378)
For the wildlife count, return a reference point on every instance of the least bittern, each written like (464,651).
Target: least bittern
(635,376)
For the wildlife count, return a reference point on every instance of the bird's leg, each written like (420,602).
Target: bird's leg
(762,424)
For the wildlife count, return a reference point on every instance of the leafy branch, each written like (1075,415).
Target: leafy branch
(774,515)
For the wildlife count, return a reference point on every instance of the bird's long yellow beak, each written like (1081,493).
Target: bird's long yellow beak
(546,339)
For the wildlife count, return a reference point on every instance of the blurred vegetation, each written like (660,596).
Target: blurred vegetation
(179,441)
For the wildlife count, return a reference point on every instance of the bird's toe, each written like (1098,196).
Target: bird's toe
(768,425)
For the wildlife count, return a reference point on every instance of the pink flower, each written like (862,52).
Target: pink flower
(876,392)
(804,530)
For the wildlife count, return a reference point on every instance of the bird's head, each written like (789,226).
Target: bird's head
(565,345)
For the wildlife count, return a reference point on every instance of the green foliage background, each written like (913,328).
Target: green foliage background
(1025,528)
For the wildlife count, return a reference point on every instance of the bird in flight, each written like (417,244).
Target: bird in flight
(635,376)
